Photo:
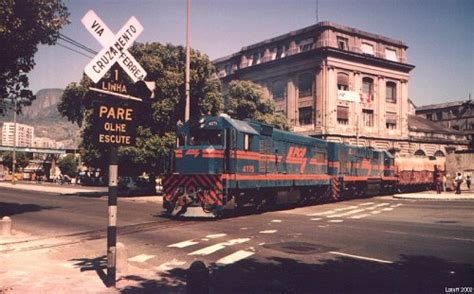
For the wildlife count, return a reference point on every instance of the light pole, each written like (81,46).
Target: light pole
(188,97)
(14,143)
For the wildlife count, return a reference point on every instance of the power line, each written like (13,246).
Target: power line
(74,50)
(76,43)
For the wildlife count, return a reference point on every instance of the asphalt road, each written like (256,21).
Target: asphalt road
(375,245)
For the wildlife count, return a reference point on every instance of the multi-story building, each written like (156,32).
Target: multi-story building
(43,142)
(24,134)
(340,84)
(458,115)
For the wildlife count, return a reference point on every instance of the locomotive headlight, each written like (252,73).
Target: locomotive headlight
(201,120)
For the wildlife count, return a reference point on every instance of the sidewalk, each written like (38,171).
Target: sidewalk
(432,195)
(66,189)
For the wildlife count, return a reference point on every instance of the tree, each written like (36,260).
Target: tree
(68,165)
(23,26)
(156,137)
(246,99)
(22,160)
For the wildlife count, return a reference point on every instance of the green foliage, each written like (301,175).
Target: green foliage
(164,65)
(68,165)
(246,99)
(22,160)
(23,26)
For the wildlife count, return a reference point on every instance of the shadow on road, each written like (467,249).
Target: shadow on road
(9,208)
(411,274)
(98,264)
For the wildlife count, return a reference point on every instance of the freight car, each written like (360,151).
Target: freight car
(222,164)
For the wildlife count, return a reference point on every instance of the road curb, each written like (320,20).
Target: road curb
(445,198)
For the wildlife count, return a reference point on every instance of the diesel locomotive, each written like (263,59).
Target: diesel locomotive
(222,164)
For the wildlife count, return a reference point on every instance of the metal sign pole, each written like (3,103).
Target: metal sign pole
(112,224)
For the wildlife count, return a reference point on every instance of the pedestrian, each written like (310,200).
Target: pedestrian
(445,182)
(468,182)
(458,181)
(438,179)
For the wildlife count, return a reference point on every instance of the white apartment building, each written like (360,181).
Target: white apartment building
(24,134)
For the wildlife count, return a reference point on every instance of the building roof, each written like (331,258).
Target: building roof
(443,105)
(417,123)
(318,26)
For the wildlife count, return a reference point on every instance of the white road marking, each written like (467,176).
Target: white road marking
(336,221)
(276,221)
(315,218)
(322,213)
(396,205)
(268,232)
(169,265)
(216,247)
(346,208)
(261,244)
(215,236)
(360,216)
(322,226)
(205,239)
(234,257)
(346,213)
(360,257)
(183,244)
(387,209)
(366,203)
(376,212)
(141,258)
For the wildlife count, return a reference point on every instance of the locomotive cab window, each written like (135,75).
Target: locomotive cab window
(204,137)
(247,142)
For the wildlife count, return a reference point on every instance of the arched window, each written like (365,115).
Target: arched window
(439,153)
(278,90)
(342,81)
(391,92)
(305,85)
(420,153)
(368,89)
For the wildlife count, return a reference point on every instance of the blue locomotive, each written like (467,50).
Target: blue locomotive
(223,164)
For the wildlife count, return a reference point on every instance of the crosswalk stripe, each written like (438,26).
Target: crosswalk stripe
(366,203)
(276,221)
(268,232)
(169,265)
(315,218)
(336,221)
(214,236)
(387,209)
(216,247)
(376,212)
(346,213)
(234,257)
(183,244)
(360,216)
(141,258)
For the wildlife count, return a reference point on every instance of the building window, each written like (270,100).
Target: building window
(367,48)
(391,120)
(305,85)
(368,117)
(306,45)
(429,116)
(391,92)
(342,81)
(439,153)
(367,90)
(278,90)
(456,128)
(420,153)
(305,116)
(391,54)
(281,52)
(343,115)
(256,58)
(439,115)
(342,43)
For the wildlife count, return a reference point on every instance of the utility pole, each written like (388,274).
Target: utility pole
(14,142)
(188,98)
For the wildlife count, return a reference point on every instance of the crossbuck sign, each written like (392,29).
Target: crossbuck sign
(115,48)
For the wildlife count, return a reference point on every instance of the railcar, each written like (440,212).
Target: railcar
(222,164)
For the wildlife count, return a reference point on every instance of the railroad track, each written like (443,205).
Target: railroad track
(69,239)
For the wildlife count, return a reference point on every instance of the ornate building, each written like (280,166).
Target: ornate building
(337,83)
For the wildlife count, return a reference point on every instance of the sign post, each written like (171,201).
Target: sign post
(114,121)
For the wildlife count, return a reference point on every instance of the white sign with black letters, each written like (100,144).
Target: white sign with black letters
(115,47)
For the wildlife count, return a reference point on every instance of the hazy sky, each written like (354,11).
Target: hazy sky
(439,34)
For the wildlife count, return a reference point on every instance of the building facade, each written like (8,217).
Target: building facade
(334,82)
(458,115)
(24,134)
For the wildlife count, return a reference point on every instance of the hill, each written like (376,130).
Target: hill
(44,116)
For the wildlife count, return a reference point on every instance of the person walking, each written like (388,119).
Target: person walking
(468,182)
(438,179)
(458,181)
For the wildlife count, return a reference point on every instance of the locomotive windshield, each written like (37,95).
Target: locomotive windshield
(205,137)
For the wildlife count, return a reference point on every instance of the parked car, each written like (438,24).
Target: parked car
(135,186)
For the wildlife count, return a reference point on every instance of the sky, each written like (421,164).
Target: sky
(439,34)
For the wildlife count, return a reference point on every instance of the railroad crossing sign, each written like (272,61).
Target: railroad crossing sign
(115,48)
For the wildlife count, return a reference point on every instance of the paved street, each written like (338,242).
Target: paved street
(375,245)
